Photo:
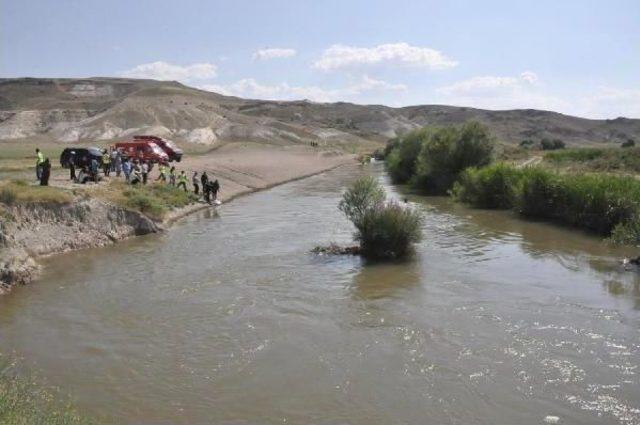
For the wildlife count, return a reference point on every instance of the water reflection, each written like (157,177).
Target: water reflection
(380,280)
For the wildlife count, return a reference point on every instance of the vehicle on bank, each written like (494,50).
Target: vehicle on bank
(169,147)
(81,157)
(142,150)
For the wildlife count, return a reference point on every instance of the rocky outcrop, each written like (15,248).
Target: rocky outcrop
(32,230)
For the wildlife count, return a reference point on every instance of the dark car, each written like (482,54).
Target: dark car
(81,156)
(173,152)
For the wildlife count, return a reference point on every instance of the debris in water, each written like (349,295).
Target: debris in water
(551,419)
(335,249)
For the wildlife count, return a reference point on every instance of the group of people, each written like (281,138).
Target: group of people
(135,172)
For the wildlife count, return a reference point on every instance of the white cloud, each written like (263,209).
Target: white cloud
(167,71)
(274,53)
(529,76)
(499,92)
(341,56)
(611,102)
(251,88)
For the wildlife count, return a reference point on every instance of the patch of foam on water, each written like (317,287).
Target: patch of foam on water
(563,371)
(607,404)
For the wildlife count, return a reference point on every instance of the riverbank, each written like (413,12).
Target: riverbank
(90,218)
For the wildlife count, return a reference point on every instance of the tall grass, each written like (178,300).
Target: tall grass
(491,187)
(608,205)
(155,200)
(18,191)
(23,402)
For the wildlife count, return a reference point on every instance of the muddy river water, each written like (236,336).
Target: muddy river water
(227,318)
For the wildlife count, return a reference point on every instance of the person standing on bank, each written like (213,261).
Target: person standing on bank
(39,162)
(106,163)
(182,180)
(72,166)
(45,173)
(195,182)
(144,169)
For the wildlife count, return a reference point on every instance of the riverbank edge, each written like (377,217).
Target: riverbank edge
(40,230)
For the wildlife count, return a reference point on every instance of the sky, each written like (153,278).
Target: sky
(576,57)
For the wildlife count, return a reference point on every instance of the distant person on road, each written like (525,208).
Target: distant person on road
(172,176)
(144,169)
(195,182)
(182,180)
(126,169)
(39,163)
(72,165)
(106,162)
(45,173)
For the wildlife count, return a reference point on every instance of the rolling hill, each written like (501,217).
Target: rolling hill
(82,110)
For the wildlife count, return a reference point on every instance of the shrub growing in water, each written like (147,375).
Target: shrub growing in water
(383,229)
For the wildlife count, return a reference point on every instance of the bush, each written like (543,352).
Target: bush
(494,186)
(402,156)
(388,231)
(548,144)
(8,195)
(449,151)
(365,194)
(383,229)
(527,143)
(629,143)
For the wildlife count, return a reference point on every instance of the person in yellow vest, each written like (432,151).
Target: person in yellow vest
(162,168)
(106,162)
(39,163)
(182,180)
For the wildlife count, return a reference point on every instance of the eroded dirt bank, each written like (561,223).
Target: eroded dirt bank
(32,230)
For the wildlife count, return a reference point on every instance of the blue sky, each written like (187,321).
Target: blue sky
(576,57)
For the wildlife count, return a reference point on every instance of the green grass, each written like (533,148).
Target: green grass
(491,187)
(20,192)
(154,199)
(597,159)
(605,204)
(25,402)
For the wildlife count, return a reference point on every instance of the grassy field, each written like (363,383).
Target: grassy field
(596,159)
(24,401)
(19,191)
(154,200)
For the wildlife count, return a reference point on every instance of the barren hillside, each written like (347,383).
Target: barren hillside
(71,110)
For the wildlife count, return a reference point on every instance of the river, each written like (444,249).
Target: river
(227,318)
